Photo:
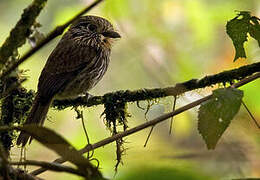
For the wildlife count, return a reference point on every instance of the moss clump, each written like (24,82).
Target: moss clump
(14,109)
(115,111)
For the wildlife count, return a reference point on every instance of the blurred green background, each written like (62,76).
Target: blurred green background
(163,42)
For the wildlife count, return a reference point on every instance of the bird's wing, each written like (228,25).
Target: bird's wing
(63,65)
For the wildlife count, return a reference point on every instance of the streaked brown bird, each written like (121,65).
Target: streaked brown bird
(75,66)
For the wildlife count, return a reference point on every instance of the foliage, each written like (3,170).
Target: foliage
(215,114)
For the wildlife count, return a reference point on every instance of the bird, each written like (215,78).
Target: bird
(75,66)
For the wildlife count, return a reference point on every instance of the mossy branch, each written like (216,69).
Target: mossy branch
(11,86)
(16,39)
(53,34)
(147,94)
(21,30)
(147,124)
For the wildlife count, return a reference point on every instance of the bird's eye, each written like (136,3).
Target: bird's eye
(92,27)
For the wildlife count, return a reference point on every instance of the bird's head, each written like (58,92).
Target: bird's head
(93,31)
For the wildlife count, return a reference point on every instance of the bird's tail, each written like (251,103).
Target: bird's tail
(37,116)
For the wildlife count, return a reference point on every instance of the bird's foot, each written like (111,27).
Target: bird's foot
(87,95)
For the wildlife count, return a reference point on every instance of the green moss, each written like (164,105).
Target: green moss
(115,109)
(14,109)
(21,31)
(149,94)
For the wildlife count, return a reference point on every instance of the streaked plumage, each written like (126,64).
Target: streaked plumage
(76,65)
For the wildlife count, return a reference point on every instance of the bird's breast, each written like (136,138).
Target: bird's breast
(87,78)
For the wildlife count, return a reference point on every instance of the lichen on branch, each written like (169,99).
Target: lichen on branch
(50,36)
(21,30)
(224,77)
(115,102)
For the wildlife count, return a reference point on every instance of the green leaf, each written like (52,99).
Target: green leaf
(238,29)
(57,143)
(216,114)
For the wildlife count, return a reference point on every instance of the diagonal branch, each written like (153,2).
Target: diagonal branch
(147,94)
(53,34)
(149,123)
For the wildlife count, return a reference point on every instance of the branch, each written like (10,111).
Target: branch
(21,30)
(16,39)
(50,166)
(147,94)
(22,175)
(4,170)
(149,123)
(53,34)
(8,171)
(7,91)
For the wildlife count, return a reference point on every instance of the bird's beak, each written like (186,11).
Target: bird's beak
(111,34)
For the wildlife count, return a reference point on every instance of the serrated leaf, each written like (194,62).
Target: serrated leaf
(216,114)
(237,30)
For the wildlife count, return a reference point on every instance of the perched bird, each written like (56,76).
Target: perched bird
(75,66)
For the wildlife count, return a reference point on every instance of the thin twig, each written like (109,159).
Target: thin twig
(246,80)
(148,137)
(173,109)
(53,34)
(149,123)
(84,128)
(149,105)
(86,134)
(251,115)
(49,166)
